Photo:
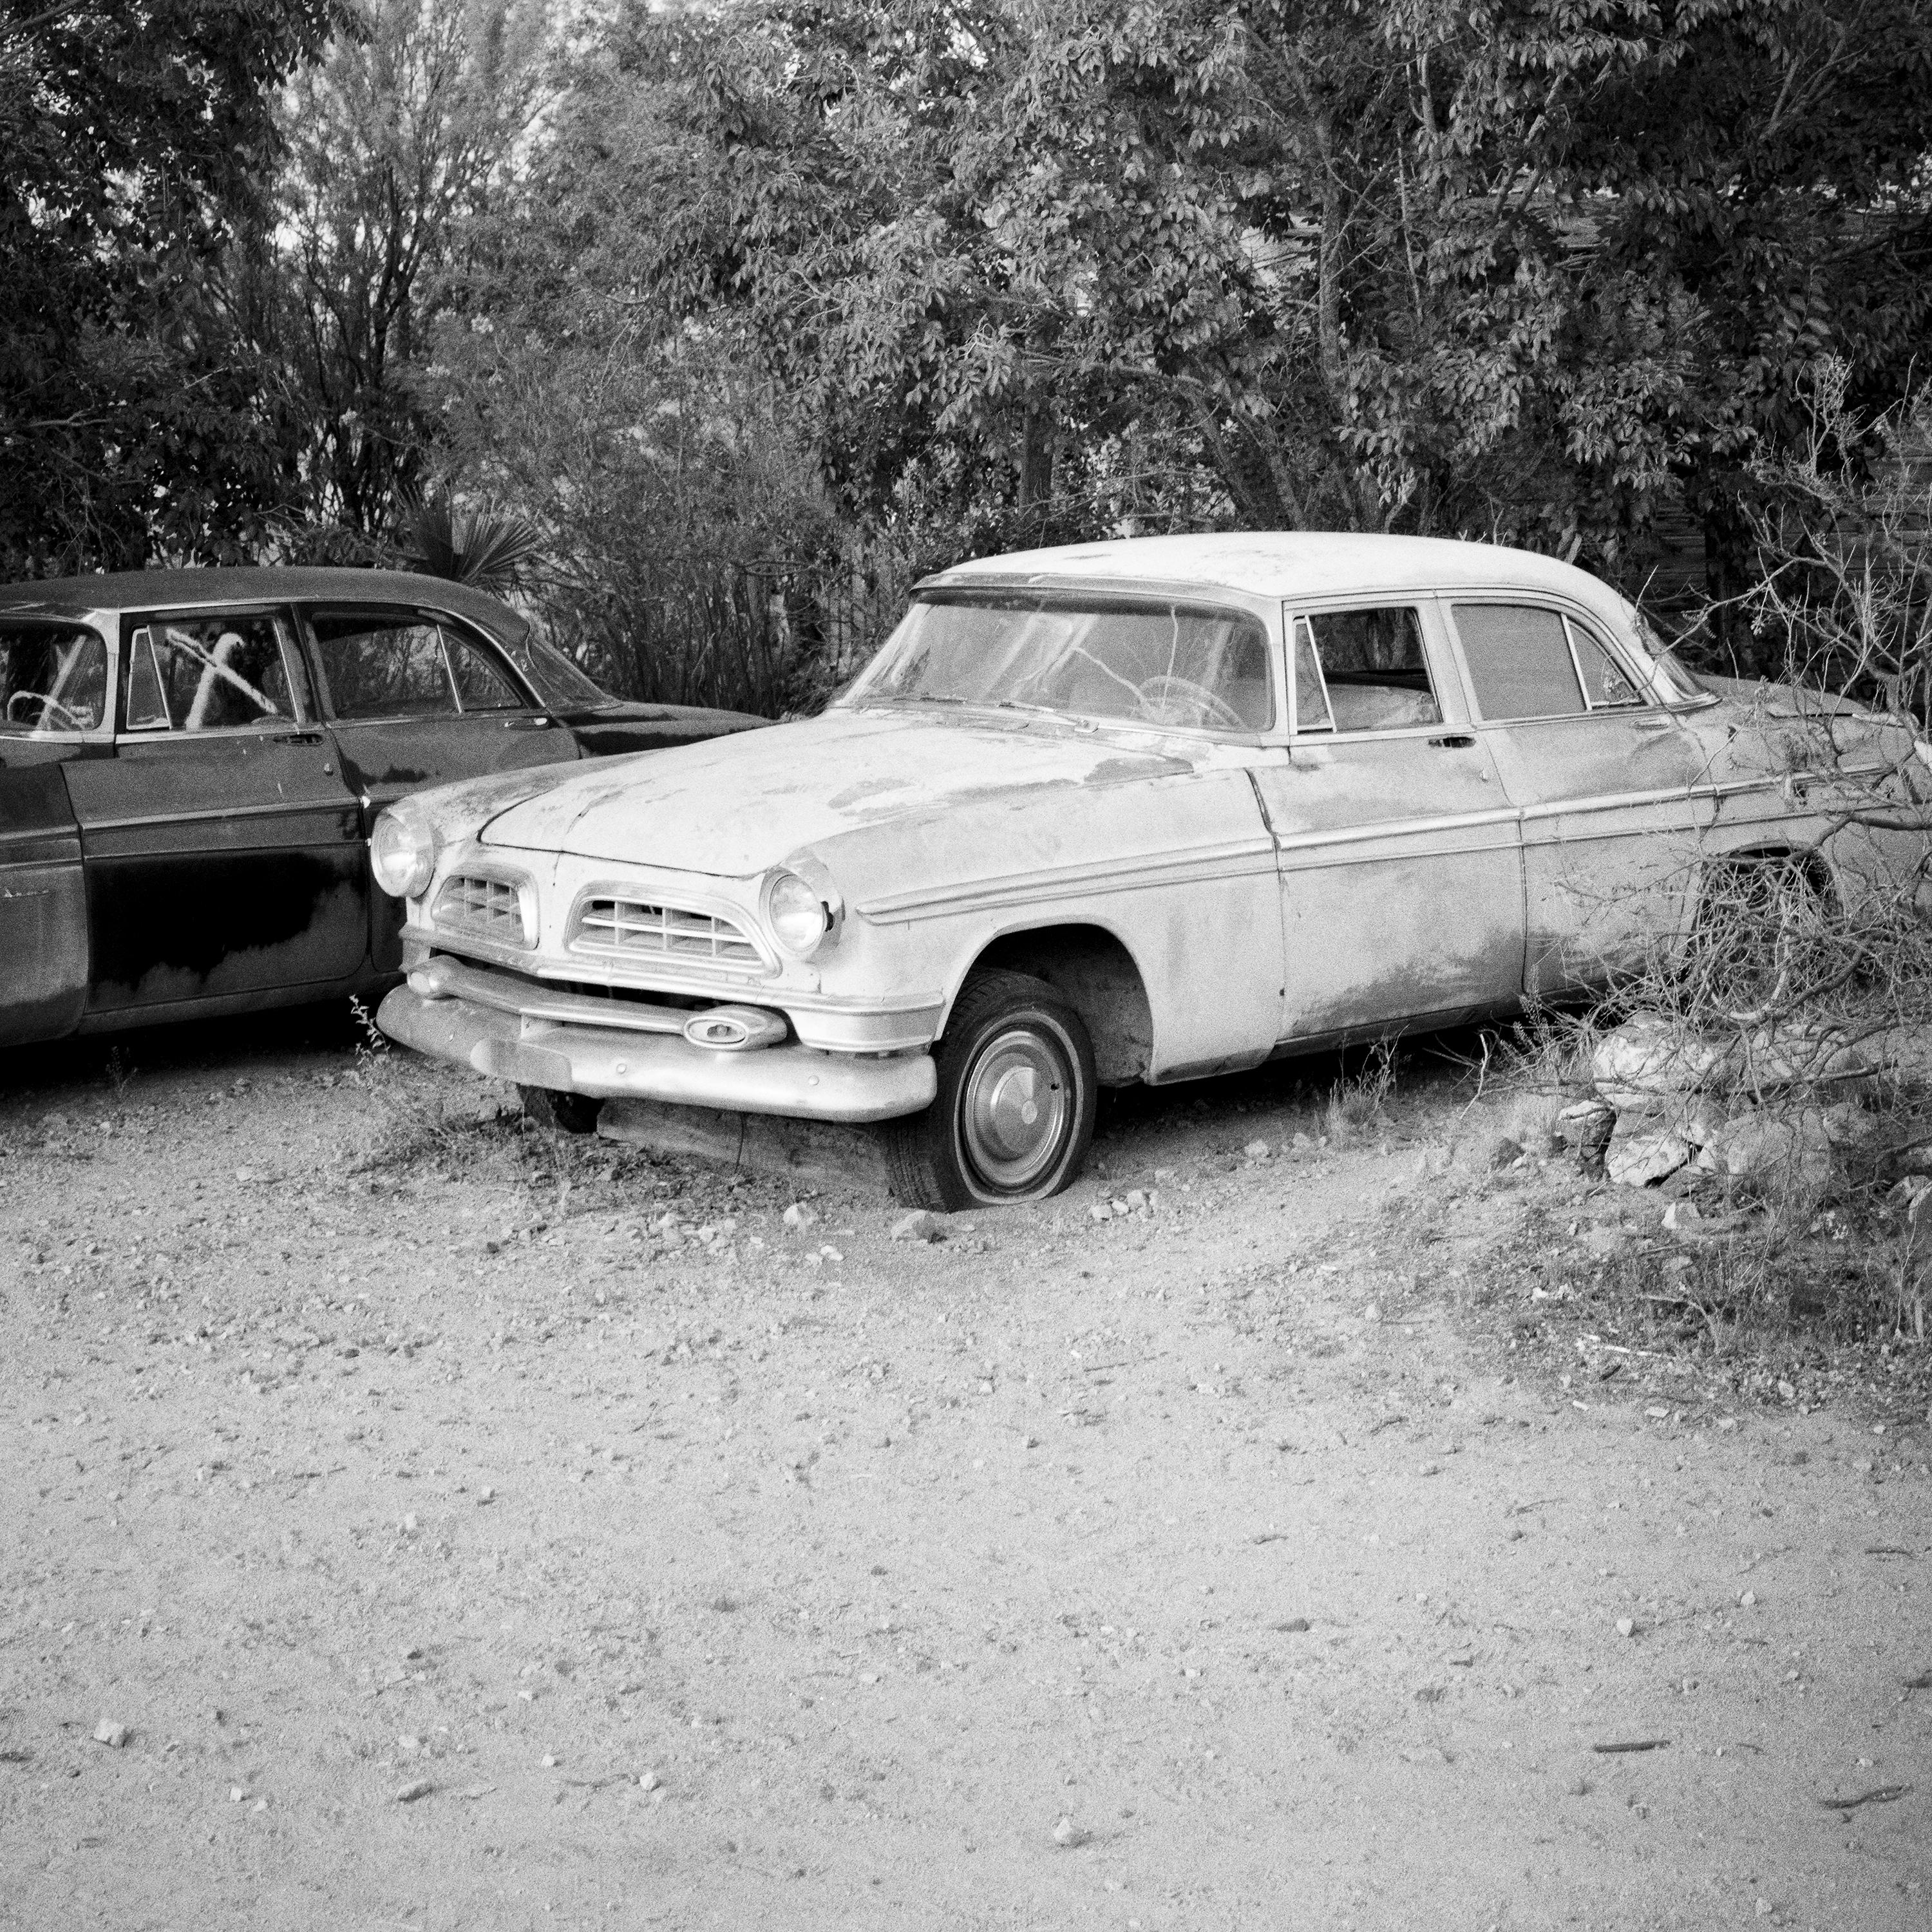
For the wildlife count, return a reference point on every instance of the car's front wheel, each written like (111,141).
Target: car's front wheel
(1014,1114)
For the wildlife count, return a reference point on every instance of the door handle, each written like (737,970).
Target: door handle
(296,738)
(1454,741)
(539,723)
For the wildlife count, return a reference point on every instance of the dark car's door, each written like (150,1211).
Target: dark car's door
(54,683)
(223,848)
(416,698)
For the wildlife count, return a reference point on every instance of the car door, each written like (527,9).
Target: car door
(1606,778)
(55,678)
(416,698)
(1396,845)
(223,849)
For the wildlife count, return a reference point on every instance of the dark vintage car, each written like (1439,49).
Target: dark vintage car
(190,762)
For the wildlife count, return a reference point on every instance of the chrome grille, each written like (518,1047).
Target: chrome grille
(489,908)
(631,928)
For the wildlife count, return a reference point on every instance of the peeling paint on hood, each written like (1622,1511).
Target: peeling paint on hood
(732,806)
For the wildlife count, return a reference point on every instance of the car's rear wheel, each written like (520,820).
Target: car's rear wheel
(1014,1114)
(568,1113)
(1759,919)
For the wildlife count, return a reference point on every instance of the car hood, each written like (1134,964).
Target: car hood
(732,806)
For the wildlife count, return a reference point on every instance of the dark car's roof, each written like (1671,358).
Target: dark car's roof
(150,589)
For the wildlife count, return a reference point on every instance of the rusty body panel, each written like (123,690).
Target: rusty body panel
(161,860)
(1431,824)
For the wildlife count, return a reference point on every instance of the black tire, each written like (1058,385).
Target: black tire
(568,1113)
(983,1142)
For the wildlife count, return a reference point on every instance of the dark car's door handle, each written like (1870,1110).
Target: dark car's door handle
(1453,741)
(539,723)
(296,738)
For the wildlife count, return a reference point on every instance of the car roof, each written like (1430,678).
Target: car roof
(159,589)
(1289,564)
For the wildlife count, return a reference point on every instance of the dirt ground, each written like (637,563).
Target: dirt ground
(474,1529)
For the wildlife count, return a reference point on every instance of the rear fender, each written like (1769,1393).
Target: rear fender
(43,952)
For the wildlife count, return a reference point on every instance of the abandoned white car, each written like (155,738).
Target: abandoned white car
(1136,810)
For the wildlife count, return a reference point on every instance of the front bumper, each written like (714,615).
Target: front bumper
(611,1063)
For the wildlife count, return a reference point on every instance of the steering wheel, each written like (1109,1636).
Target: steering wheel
(1162,697)
(74,721)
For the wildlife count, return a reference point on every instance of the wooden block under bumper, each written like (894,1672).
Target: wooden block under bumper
(821,1153)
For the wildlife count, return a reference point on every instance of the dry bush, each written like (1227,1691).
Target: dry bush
(1357,1103)
(1786,1029)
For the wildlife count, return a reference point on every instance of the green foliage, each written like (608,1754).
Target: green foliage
(134,414)
(1527,269)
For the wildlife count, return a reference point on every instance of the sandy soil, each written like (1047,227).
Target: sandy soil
(464,1544)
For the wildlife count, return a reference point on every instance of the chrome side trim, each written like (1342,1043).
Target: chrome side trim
(1235,858)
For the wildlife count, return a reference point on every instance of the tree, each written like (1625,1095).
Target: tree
(1524,268)
(399,142)
(132,415)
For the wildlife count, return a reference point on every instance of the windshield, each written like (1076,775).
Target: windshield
(1150,661)
(555,680)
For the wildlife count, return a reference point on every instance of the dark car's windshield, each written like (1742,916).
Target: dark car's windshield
(1150,661)
(553,677)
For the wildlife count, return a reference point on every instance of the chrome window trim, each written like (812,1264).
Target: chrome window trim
(295,668)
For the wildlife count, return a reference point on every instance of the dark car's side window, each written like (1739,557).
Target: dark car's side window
(391,664)
(1362,670)
(214,673)
(1527,662)
(53,679)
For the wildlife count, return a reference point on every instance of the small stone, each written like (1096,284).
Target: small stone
(1066,1833)
(420,1787)
(1748,1600)
(114,1735)
(1765,1909)
(236,1794)
(245,1174)
(1099,1211)
(1373,1313)
(649,1781)
(1293,1626)
(919,1226)
(1680,1215)
(551,1761)
(1430,1469)
(1301,1143)
(1580,1787)
(1500,1151)
(800,1214)
(410,1520)
(1257,1150)
(487,1494)
(1626,1627)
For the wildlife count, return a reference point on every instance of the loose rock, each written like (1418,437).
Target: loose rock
(1641,1153)
(417,1788)
(114,1735)
(919,1226)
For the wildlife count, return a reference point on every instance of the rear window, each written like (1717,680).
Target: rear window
(53,678)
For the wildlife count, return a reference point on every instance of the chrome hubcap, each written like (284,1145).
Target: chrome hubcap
(1014,1109)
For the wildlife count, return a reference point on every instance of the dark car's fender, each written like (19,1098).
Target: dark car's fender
(43,958)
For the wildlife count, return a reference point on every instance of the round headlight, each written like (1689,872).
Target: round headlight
(402,853)
(799,918)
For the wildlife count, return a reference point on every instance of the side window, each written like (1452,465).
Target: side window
(381,664)
(217,673)
(53,679)
(1528,663)
(1607,685)
(481,682)
(1362,670)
